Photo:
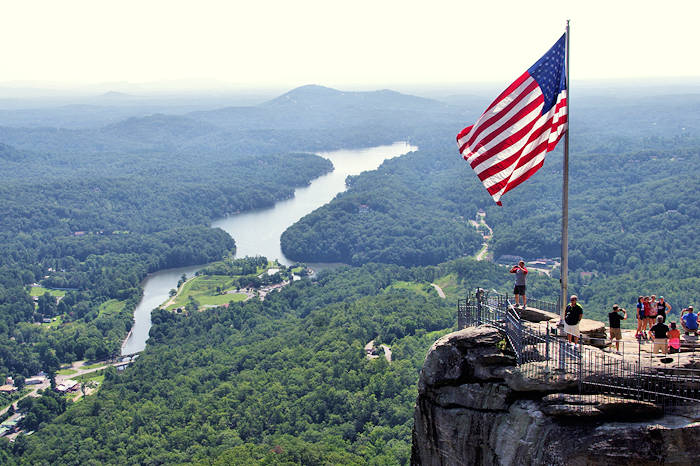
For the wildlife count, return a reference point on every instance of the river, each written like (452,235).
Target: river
(257,232)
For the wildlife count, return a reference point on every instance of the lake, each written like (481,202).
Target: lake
(257,232)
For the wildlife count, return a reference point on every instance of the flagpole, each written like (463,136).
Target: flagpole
(565,193)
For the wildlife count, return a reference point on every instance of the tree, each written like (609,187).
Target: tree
(47,304)
(192,304)
(19,381)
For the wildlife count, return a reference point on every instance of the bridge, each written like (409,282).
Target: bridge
(543,354)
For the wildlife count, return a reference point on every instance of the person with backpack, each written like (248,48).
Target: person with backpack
(572,316)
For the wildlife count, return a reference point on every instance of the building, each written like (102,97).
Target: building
(36,380)
(7,388)
(68,385)
(509,259)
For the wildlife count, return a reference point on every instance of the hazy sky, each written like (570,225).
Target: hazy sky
(346,44)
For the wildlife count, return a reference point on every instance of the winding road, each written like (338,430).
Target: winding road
(484,251)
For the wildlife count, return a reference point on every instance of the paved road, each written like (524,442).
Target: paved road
(483,253)
(33,392)
(439,290)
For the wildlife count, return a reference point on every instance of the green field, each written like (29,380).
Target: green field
(419,288)
(449,285)
(97,376)
(92,366)
(67,371)
(111,307)
(40,290)
(204,289)
(54,323)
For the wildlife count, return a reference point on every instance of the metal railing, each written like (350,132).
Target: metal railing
(543,354)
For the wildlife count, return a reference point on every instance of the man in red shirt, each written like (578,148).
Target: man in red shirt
(520,272)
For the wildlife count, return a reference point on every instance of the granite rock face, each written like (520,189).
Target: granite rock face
(473,407)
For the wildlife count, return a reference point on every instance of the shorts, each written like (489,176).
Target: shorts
(615,333)
(519,289)
(660,345)
(689,329)
(572,330)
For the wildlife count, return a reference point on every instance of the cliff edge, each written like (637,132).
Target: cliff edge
(474,407)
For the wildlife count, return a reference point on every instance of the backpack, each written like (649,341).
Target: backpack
(571,316)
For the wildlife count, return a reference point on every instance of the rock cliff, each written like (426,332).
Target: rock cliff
(473,407)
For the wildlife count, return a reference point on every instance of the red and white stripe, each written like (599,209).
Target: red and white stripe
(508,143)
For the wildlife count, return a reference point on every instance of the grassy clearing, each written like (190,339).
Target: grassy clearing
(204,290)
(93,366)
(111,307)
(449,285)
(220,299)
(54,323)
(419,288)
(94,380)
(67,371)
(270,265)
(98,377)
(40,290)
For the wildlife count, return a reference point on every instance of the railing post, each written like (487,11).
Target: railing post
(580,365)
(478,306)
(639,369)
(562,355)
(519,328)
(546,349)
(603,374)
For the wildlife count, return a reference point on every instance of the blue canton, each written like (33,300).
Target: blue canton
(550,73)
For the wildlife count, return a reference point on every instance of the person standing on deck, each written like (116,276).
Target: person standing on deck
(572,316)
(615,331)
(520,274)
(663,308)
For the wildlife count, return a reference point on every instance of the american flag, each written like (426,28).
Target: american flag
(508,143)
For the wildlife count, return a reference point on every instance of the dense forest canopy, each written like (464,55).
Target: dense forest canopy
(92,208)
(232,384)
(631,205)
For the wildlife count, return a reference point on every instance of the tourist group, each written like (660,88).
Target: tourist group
(651,324)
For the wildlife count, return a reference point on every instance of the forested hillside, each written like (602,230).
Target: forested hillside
(92,209)
(283,380)
(632,205)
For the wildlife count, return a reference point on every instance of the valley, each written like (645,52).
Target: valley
(222,376)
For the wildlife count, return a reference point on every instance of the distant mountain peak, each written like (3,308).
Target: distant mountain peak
(308,92)
(314,95)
